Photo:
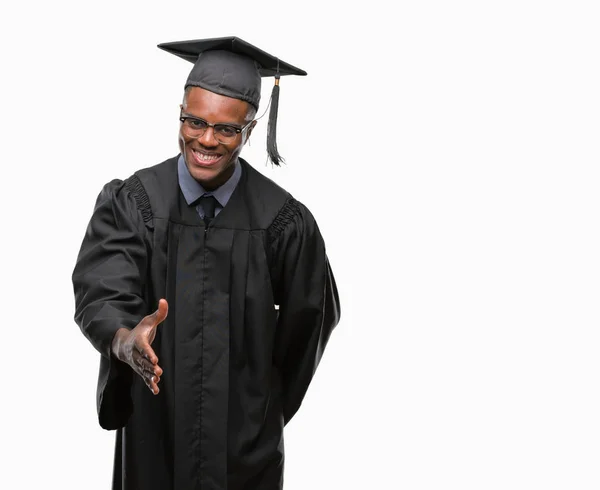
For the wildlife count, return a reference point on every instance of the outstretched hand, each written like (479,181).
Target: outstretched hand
(134,347)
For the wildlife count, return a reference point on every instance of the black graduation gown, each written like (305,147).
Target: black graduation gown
(235,369)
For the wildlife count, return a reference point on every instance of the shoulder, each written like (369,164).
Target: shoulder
(279,206)
(261,185)
(116,206)
(294,219)
(130,195)
(113,192)
(144,176)
(160,169)
(154,188)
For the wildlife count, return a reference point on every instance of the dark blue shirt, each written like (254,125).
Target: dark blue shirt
(193,190)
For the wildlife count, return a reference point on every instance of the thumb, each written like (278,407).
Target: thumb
(161,313)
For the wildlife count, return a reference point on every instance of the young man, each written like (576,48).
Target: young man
(236,273)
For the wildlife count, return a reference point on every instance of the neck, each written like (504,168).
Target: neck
(220,179)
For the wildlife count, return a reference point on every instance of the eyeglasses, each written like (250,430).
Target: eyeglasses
(194,127)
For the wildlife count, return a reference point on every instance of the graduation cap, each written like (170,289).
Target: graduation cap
(232,67)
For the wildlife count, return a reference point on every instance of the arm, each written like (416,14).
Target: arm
(108,283)
(309,306)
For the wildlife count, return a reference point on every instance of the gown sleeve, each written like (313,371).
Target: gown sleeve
(108,283)
(309,307)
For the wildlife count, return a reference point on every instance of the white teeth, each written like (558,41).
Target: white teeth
(206,158)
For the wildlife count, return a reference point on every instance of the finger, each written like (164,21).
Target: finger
(147,366)
(150,379)
(151,382)
(140,365)
(146,351)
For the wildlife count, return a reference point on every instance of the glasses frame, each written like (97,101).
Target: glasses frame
(238,129)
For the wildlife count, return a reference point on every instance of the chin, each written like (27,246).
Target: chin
(210,176)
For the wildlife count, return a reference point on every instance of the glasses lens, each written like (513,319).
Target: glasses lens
(225,133)
(194,127)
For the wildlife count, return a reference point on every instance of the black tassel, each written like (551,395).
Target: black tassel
(274,155)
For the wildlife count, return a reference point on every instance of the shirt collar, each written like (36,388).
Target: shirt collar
(192,189)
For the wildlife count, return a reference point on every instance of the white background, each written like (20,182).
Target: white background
(449,151)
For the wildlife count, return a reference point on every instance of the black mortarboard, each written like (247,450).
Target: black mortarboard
(232,67)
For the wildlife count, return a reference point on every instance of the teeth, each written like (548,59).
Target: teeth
(204,157)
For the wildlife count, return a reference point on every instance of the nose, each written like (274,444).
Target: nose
(208,138)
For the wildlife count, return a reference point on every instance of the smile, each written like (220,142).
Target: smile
(204,158)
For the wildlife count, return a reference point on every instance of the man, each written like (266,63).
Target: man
(208,292)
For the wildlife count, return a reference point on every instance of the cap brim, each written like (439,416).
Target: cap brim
(189,51)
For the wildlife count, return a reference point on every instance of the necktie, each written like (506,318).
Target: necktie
(208,204)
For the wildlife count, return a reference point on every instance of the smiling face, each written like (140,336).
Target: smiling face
(209,161)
